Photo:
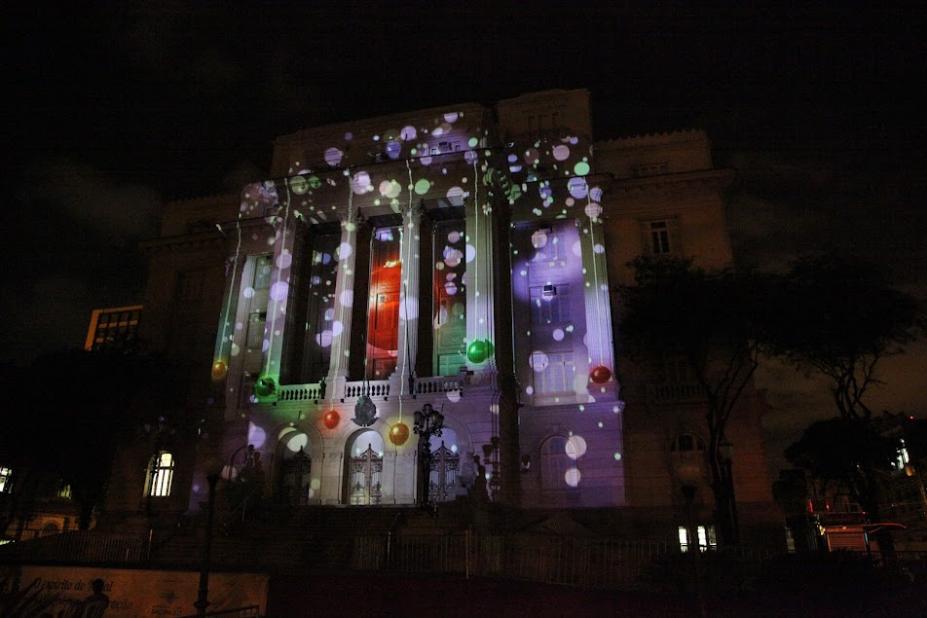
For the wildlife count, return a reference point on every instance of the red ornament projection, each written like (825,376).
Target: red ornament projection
(600,375)
(331,419)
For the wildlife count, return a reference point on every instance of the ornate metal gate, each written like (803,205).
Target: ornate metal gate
(443,475)
(365,477)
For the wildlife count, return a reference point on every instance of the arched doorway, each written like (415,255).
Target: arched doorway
(364,467)
(293,474)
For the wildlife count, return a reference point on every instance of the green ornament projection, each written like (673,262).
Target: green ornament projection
(265,388)
(479,350)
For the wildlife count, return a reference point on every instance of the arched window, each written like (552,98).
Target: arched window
(687,442)
(161,475)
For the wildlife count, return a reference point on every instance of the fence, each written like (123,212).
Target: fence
(581,562)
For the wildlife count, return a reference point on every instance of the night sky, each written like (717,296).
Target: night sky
(109,111)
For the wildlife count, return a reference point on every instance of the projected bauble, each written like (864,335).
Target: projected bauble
(265,387)
(479,350)
(399,433)
(600,375)
(331,419)
(219,370)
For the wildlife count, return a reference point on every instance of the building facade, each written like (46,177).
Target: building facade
(467,258)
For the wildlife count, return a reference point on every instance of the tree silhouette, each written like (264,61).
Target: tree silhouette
(716,322)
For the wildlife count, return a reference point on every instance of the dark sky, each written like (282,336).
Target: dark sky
(111,110)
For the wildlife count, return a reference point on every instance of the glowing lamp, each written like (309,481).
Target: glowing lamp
(219,370)
(331,419)
(265,387)
(479,350)
(399,433)
(600,375)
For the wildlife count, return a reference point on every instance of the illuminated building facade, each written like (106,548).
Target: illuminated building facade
(466,257)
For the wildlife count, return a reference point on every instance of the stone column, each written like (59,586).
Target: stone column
(480,256)
(595,284)
(344,305)
(408,297)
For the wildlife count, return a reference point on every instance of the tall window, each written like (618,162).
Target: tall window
(161,475)
(383,304)
(255,292)
(450,297)
(322,310)
(660,237)
(706,538)
(6,476)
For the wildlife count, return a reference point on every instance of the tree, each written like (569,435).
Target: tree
(839,318)
(716,322)
(846,452)
(73,410)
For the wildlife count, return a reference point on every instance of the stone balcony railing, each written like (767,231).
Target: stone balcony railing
(381,389)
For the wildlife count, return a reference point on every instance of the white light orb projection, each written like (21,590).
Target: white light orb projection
(617,456)
(572,477)
(558,334)
(471,253)
(561,152)
(324,338)
(408,133)
(390,189)
(538,361)
(577,188)
(347,298)
(333,157)
(248,292)
(539,239)
(361,184)
(279,290)
(296,442)
(284,260)
(575,447)
(256,435)
(593,210)
(344,251)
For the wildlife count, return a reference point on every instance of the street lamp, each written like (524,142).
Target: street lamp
(428,422)
(726,457)
(213,468)
(689,474)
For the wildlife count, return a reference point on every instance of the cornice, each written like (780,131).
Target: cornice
(199,240)
(705,180)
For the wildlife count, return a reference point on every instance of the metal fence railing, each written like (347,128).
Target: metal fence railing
(582,562)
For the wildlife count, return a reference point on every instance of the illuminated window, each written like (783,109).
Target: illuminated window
(557,375)
(902,459)
(687,442)
(6,476)
(255,292)
(64,491)
(383,304)
(161,475)
(450,297)
(706,538)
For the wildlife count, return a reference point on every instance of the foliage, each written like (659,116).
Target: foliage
(716,321)
(849,452)
(839,317)
(72,410)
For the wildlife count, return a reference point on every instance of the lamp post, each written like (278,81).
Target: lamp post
(428,422)
(689,474)
(726,456)
(202,595)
